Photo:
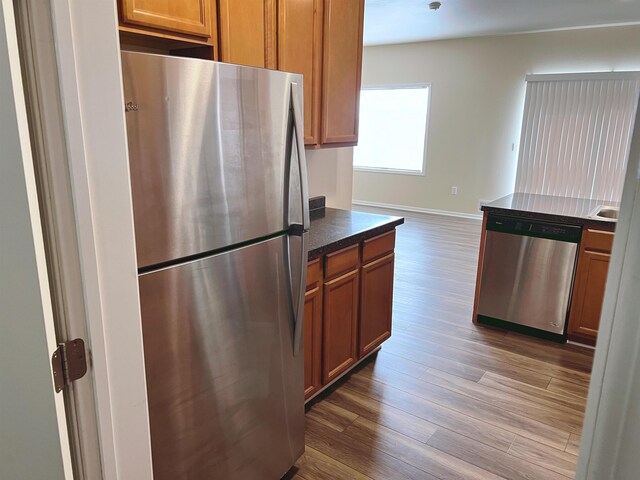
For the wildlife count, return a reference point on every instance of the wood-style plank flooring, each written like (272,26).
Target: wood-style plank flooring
(443,398)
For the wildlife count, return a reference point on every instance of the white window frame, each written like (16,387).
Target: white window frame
(399,171)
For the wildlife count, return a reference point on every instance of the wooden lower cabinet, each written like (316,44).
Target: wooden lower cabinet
(313,330)
(589,286)
(348,305)
(376,300)
(340,325)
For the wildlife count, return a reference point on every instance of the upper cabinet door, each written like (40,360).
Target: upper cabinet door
(248,32)
(191,17)
(300,51)
(342,62)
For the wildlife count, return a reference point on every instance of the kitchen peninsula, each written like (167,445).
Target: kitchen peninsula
(543,265)
(349,293)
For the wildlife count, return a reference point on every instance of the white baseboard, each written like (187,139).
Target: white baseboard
(408,208)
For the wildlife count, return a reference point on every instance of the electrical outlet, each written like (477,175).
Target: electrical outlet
(454,190)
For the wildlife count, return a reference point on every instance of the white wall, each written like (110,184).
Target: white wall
(476,106)
(330,173)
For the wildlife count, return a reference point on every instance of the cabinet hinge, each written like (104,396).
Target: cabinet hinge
(69,362)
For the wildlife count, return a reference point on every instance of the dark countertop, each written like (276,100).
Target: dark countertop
(557,209)
(332,229)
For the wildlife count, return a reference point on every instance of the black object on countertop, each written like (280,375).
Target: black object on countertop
(550,208)
(317,202)
(332,229)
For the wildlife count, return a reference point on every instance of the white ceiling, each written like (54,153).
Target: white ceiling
(403,21)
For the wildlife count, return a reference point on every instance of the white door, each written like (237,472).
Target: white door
(33,434)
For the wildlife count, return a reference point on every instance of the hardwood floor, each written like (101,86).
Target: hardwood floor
(445,399)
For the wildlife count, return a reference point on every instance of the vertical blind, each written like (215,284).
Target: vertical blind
(576,132)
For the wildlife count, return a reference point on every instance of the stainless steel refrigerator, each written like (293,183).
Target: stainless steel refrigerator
(220,209)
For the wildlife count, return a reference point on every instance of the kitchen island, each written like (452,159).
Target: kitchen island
(349,291)
(553,256)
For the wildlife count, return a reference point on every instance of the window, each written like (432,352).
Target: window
(576,133)
(393,129)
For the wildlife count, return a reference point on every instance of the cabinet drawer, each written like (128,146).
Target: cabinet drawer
(314,274)
(377,246)
(341,261)
(598,240)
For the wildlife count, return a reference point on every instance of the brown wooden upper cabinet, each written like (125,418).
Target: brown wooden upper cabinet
(341,71)
(248,32)
(322,39)
(300,50)
(192,20)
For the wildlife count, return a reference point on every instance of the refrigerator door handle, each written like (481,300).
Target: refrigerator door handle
(299,230)
(298,127)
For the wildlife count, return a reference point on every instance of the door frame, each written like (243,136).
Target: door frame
(87,43)
(612,420)
(87,60)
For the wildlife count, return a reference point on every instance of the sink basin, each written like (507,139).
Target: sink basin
(604,212)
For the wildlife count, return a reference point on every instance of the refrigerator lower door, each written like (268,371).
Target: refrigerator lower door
(224,386)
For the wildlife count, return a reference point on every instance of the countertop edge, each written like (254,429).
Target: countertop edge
(354,238)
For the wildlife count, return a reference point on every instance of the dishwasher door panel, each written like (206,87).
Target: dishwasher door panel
(527,280)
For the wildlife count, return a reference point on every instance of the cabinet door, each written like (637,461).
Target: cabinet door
(313,329)
(300,51)
(248,32)
(191,17)
(340,325)
(312,341)
(376,303)
(341,66)
(586,307)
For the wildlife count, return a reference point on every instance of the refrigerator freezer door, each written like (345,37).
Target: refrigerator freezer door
(225,389)
(208,151)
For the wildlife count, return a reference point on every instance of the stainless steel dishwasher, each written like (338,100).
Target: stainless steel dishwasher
(527,275)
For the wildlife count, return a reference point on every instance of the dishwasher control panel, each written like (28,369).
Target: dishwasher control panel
(535,228)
